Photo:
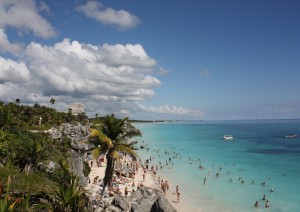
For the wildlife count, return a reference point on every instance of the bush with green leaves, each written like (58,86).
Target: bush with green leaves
(86,169)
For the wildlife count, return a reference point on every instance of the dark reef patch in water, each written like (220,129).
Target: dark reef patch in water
(273,151)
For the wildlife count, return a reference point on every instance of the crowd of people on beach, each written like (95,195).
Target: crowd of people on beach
(124,183)
(161,184)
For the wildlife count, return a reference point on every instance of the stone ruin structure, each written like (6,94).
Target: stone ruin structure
(76,108)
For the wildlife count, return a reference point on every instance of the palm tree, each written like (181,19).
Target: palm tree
(70,110)
(113,137)
(18,101)
(52,101)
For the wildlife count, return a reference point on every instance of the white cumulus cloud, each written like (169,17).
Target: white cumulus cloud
(167,109)
(72,71)
(80,69)
(117,55)
(120,19)
(11,71)
(23,15)
(6,46)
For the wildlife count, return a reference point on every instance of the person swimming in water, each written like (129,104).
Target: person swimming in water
(267,205)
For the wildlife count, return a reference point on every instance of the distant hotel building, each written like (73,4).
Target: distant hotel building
(76,108)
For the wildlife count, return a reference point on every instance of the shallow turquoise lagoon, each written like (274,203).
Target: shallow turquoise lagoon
(258,153)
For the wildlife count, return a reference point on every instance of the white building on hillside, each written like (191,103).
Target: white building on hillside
(76,108)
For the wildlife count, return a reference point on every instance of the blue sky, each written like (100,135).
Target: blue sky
(154,59)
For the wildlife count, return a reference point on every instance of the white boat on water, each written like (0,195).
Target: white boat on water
(291,136)
(228,137)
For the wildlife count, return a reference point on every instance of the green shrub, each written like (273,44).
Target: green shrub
(86,169)
(60,176)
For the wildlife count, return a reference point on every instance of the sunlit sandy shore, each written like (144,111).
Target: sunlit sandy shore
(150,181)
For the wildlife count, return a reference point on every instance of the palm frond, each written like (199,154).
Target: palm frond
(115,155)
(107,141)
(69,196)
(7,204)
(101,138)
(132,142)
(94,133)
(127,149)
(98,151)
(43,205)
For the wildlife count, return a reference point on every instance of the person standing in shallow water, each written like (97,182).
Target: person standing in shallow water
(267,205)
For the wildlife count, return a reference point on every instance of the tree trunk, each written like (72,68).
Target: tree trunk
(110,166)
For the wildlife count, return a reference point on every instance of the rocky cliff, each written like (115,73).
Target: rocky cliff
(78,134)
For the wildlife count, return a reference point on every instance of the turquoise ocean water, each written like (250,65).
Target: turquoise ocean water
(258,153)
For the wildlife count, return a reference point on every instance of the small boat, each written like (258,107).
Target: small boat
(291,136)
(228,137)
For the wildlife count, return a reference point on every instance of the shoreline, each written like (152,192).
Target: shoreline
(150,181)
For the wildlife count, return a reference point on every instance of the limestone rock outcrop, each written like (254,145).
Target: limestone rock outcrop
(78,134)
(144,199)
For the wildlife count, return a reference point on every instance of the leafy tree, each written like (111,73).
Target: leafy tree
(86,169)
(4,142)
(30,149)
(7,120)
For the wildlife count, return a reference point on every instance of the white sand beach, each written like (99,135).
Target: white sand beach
(150,181)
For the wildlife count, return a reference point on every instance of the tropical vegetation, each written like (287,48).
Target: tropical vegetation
(23,146)
(24,186)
